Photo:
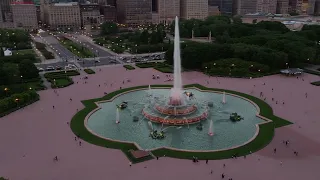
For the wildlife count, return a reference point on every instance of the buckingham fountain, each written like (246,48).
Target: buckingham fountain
(179,118)
(178,109)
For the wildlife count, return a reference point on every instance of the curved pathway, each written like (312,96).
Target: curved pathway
(31,137)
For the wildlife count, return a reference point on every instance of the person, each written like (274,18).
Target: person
(130,163)
(52,107)
(79,143)
(157,158)
(274,150)
(222,176)
(56,158)
(207,161)
(75,138)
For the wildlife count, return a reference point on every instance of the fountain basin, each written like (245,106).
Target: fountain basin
(177,111)
(175,121)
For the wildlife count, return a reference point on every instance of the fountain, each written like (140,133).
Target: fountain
(224,98)
(210,132)
(117,116)
(177,108)
(176,117)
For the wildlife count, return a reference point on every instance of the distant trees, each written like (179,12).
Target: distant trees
(268,44)
(108,28)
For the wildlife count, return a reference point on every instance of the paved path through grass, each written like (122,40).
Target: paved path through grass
(31,137)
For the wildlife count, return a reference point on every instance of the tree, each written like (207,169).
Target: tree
(144,37)
(28,70)
(108,28)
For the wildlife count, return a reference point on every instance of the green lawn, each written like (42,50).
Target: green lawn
(264,137)
(317,83)
(24,52)
(89,71)
(61,79)
(77,49)
(129,67)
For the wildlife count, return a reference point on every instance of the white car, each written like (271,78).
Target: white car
(40,69)
(50,68)
(129,61)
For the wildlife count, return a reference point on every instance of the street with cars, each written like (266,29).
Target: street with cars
(68,60)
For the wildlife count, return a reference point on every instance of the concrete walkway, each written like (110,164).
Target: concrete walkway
(31,137)
(46,83)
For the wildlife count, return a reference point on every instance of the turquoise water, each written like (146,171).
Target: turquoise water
(227,134)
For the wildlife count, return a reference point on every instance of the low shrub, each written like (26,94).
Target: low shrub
(317,83)
(61,82)
(61,74)
(129,67)
(89,71)
(146,65)
(17,101)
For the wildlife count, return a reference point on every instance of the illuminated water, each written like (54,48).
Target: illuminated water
(227,134)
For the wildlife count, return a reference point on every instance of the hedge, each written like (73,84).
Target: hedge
(162,67)
(266,130)
(129,67)
(17,101)
(42,48)
(317,83)
(314,72)
(61,82)
(61,74)
(89,71)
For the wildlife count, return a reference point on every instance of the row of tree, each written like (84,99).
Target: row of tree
(14,39)
(13,73)
(268,43)
(194,55)
(17,100)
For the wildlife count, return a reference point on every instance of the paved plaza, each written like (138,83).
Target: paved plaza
(31,137)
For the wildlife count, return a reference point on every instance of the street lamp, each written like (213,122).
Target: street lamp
(17,101)
(6,90)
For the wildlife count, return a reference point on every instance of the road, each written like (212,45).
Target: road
(55,64)
(96,50)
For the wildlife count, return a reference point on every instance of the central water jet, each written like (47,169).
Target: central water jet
(176,92)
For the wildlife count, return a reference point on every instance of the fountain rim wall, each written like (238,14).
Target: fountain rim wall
(266,120)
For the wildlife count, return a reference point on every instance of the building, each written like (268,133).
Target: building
(193,9)
(282,6)
(134,12)
(295,6)
(213,11)
(224,6)
(1,17)
(24,15)
(109,13)
(63,16)
(243,7)
(6,10)
(167,10)
(317,7)
(267,6)
(90,15)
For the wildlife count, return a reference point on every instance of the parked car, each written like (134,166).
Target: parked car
(50,68)
(113,61)
(96,61)
(40,69)
(58,67)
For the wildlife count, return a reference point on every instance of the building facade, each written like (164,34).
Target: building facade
(6,10)
(24,15)
(134,12)
(213,11)
(109,13)
(224,6)
(282,6)
(267,6)
(246,7)
(168,10)
(90,15)
(194,9)
(295,6)
(63,16)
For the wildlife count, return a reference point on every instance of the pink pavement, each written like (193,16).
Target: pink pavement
(31,137)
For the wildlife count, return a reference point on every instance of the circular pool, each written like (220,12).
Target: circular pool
(135,127)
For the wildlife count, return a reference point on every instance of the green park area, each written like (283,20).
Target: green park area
(42,48)
(76,49)
(89,71)
(19,77)
(129,67)
(245,50)
(61,79)
(146,39)
(162,67)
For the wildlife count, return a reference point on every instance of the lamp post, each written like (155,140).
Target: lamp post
(17,101)
(6,90)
